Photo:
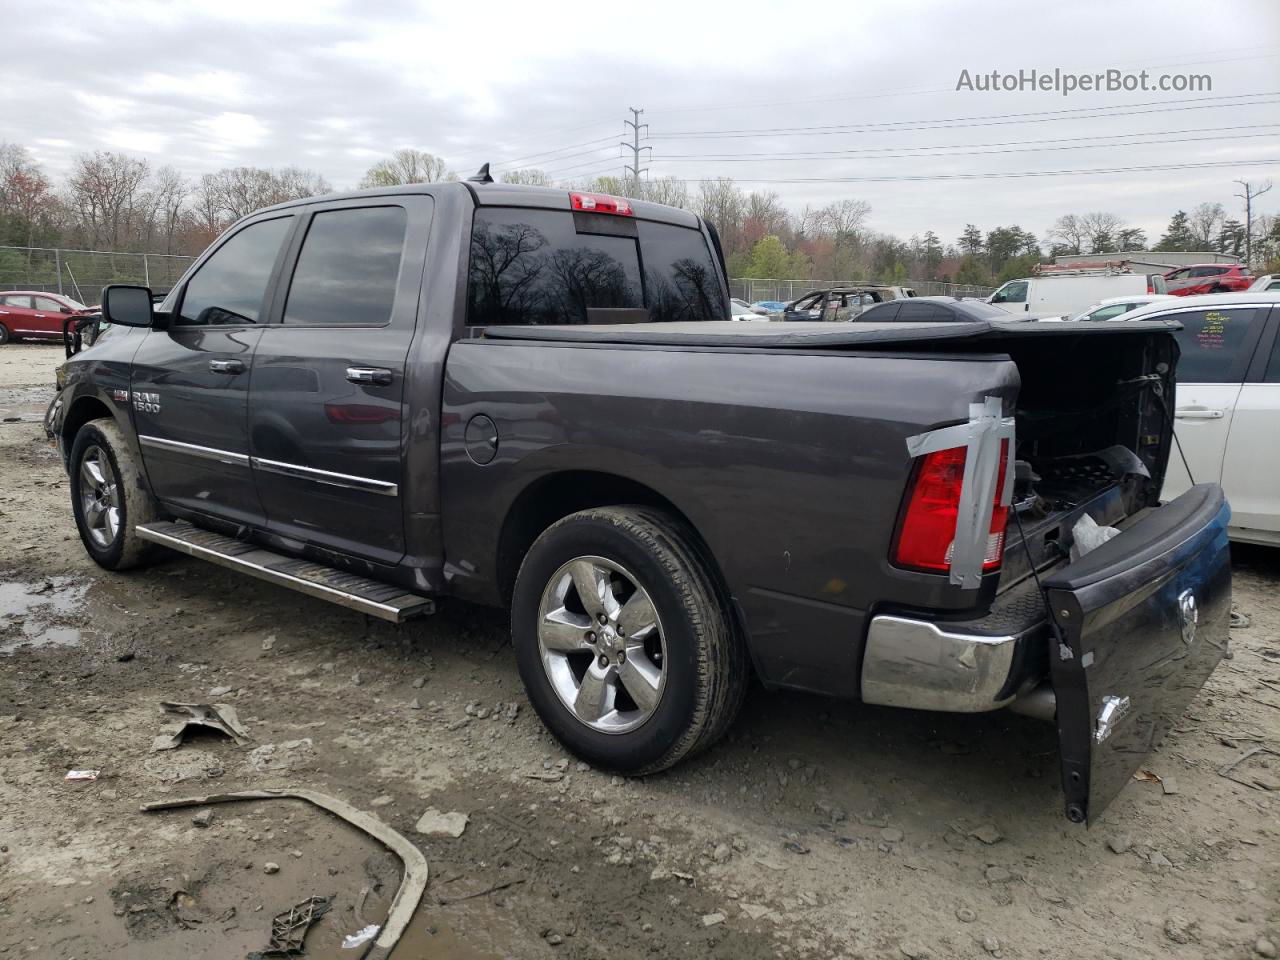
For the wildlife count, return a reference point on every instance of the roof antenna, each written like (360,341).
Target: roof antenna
(481,176)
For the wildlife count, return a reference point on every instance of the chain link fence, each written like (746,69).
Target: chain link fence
(81,274)
(784,291)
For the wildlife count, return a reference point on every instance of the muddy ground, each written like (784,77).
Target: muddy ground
(818,829)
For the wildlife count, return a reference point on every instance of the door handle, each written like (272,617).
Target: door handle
(226,366)
(378,376)
(1198,413)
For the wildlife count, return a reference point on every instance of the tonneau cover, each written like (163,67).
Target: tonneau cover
(741,333)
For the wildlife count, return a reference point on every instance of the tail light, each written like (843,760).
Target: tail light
(601,203)
(1151,284)
(926,538)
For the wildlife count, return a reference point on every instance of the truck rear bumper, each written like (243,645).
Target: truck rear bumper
(925,666)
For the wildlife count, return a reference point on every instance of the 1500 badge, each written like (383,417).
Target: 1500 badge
(146,402)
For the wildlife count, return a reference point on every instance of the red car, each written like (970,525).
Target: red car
(1208,278)
(35,314)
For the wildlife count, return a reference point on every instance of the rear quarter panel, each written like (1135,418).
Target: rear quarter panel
(791,466)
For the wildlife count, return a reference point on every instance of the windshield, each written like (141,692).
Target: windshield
(545,266)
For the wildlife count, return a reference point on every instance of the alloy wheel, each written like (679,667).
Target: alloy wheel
(99,497)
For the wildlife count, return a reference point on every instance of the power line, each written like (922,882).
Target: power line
(996,119)
(634,146)
(502,163)
(994,176)
(832,155)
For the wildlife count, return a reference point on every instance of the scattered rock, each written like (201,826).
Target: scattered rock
(415,704)
(357,678)
(891,835)
(966,915)
(1169,785)
(435,823)
(1159,860)
(383,801)
(1264,947)
(220,691)
(1120,843)
(998,875)
(646,927)
(419,683)
(271,867)
(202,818)
(509,714)
(555,939)
(1180,929)
(711,919)
(988,833)
(286,755)
(269,642)
(740,844)
(722,853)
(755,911)
(990,944)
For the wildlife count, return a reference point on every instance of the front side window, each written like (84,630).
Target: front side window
(44,303)
(348,268)
(1215,344)
(1013,292)
(550,267)
(230,286)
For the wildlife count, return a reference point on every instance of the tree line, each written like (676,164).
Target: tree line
(112,201)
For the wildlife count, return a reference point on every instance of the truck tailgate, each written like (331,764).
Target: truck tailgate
(1144,621)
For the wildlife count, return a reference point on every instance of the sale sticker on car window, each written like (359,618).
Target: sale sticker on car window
(1213,334)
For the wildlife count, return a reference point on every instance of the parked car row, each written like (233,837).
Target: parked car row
(35,314)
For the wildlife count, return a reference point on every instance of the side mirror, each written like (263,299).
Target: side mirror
(64,310)
(127,306)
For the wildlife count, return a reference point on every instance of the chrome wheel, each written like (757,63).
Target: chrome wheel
(99,497)
(601,644)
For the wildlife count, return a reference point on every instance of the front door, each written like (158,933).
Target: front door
(191,380)
(1216,346)
(326,404)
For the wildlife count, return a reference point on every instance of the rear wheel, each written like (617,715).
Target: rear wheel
(109,497)
(5,336)
(623,640)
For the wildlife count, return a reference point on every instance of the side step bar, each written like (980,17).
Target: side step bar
(316,580)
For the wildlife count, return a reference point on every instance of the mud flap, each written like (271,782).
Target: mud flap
(1144,620)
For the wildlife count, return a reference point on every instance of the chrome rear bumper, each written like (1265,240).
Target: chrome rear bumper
(918,664)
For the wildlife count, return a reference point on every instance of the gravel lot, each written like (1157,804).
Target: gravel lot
(818,829)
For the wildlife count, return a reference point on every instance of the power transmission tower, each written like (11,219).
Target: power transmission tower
(1250,194)
(634,167)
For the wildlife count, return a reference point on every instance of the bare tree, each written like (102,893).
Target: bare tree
(530,177)
(1206,223)
(236,192)
(668,190)
(720,202)
(408,166)
(1250,194)
(1101,230)
(1069,234)
(106,190)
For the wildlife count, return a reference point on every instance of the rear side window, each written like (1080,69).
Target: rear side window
(1216,344)
(551,267)
(22,303)
(882,313)
(230,286)
(922,310)
(347,270)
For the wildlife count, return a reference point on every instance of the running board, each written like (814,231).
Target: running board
(316,580)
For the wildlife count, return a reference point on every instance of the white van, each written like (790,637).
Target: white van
(1069,292)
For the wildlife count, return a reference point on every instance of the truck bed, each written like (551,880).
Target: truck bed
(816,335)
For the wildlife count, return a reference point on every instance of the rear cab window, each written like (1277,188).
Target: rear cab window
(537,266)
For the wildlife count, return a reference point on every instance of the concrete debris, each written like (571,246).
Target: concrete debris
(419,683)
(722,853)
(991,944)
(202,818)
(286,755)
(271,867)
(82,775)
(711,919)
(1181,930)
(219,691)
(383,801)
(755,911)
(436,823)
(987,833)
(1120,843)
(269,643)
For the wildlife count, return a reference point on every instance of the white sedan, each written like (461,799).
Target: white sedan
(741,310)
(1268,281)
(1112,307)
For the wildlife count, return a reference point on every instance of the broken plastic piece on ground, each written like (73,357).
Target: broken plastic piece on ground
(1239,620)
(221,717)
(363,935)
(412,885)
(1088,536)
(289,928)
(82,775)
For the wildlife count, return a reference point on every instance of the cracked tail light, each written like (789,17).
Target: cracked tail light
(601,203)
(926,538)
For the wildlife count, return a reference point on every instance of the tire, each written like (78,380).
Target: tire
(109,497)
(701,662)
(5,336)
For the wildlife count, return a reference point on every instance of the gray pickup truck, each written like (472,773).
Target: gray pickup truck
(534,398)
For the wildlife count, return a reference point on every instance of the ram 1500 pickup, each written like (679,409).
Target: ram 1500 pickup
(534,398)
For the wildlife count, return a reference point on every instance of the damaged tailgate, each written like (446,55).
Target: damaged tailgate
(1144,620)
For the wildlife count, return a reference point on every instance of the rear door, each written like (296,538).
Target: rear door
(1144,620)
(191,380)
(48,316)
(327,403)
(1216,345)
(17,313)
(1251,467)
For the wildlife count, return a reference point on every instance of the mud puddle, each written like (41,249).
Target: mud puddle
(24,404)
(31,613)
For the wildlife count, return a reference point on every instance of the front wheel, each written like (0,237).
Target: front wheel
(109,497)
(5,335)
(623,639)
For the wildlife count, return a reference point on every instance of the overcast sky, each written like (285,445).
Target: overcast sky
(335,85)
